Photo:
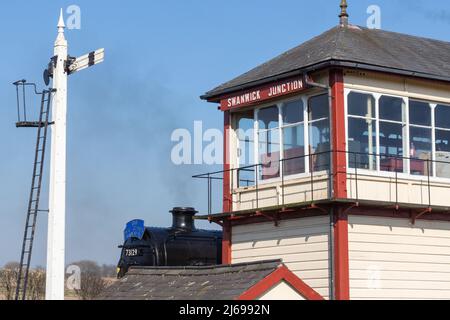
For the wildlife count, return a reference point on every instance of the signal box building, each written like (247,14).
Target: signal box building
(338,162)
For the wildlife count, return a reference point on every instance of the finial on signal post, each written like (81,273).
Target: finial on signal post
(61,39)
(61,24)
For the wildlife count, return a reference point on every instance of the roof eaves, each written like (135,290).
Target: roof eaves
(138,270)
(332,62)
(211,95)
(397,71)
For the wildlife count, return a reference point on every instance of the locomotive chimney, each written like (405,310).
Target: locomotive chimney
(183,219)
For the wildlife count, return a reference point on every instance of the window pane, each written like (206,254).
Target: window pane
(269,154)
(360,104)
(245,136)
(391,147)
(443,154)
(294,150)
(245,153)
(319,136)
(293,112)
(442,140)
(443,116)
(419,113)
(319,107)
(391,108)
(268,118)
(319,133)
(362,143)
(420,151)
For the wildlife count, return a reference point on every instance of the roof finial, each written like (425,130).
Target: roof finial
(343,16)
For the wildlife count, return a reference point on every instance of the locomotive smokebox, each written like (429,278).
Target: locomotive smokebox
(180,245)
(183,219)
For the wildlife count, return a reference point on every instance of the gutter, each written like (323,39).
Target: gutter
(331,262)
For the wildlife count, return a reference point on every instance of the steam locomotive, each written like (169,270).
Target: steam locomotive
(180,245)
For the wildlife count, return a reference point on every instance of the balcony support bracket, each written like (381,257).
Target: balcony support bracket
(271,217)
(313,206)
(415,216)
(350,207)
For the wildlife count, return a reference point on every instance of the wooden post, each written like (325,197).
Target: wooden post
(341,258)
(338,137)
(339,172)
(227,203)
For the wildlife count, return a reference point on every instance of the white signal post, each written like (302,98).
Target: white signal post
(57,199)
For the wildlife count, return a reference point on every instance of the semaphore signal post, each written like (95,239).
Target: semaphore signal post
(61,67)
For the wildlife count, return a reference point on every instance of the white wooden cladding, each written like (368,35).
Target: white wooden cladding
(282,291)
(271,194)
(391,259)
(302,244)
(375,187)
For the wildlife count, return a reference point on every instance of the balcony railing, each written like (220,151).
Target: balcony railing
(314,170)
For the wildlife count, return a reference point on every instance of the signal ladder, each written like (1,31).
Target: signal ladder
(36,184)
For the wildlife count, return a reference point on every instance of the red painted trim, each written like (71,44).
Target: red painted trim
(259,218)
(281,274)
(227,197)
(339,161)
(341,260)
(399,214)
(226,242)
(263,93)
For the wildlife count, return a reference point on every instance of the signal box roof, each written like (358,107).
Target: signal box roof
(355,47)
(245,281)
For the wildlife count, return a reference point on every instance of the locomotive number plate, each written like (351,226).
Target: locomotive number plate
(131,252)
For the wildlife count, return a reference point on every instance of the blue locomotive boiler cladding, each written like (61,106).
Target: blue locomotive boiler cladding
(180,245)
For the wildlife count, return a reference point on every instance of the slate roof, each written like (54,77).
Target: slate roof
(352,46)
(226,282)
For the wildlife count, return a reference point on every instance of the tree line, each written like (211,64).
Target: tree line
(94,279)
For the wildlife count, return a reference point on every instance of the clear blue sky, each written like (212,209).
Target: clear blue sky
(161,55)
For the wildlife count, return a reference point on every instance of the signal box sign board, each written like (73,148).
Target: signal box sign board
(264,93)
